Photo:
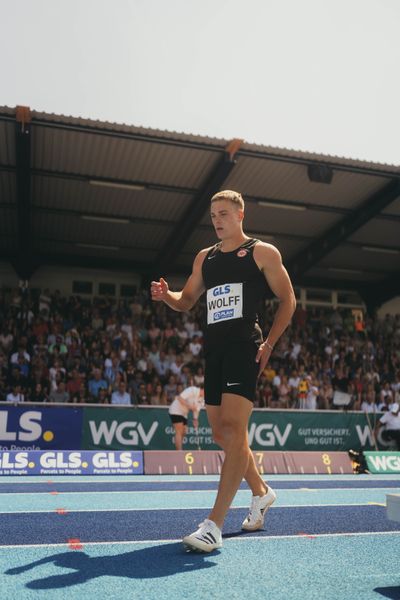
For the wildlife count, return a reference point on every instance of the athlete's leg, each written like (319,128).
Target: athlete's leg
(252,476)
(235,413)
(179,435)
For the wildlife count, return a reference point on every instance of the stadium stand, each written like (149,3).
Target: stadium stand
(55,348)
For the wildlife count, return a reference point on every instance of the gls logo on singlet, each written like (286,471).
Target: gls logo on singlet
(224,302)
(221,289)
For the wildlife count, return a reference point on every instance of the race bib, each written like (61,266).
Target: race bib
(224,302)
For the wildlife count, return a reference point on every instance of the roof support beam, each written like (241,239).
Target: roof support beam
(173,189)
(196,209)
(342,230)
(95,262)
(191,142)
(24,264)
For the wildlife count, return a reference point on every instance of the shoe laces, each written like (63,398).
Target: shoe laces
(254,505)
(207,525)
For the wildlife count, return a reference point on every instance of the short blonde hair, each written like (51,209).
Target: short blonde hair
(230,195)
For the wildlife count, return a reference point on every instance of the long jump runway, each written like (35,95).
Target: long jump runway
(326,537)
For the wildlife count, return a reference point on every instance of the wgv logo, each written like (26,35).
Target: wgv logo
(386,463)
(366,438)
(29,429)
(127,433)
(268,434)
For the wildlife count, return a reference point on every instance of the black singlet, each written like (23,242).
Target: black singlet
(235,290)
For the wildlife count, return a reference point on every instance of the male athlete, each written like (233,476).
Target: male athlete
(235,273)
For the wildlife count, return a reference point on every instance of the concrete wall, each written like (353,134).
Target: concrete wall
(392,307)
(61,278)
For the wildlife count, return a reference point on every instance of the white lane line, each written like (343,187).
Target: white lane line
(93,510)
(369,489)
(184,478)
(244,538)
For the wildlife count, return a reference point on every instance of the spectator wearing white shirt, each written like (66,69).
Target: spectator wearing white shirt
(386,395)
(177,366)
(368,405)
(143,361)
(20,354)
(310,402)
(15,395)
(197,331)
(296,349)
(57,371)
(294,379)
(391,422)
(121,396)
(199,376)
(277,380)
(195,346)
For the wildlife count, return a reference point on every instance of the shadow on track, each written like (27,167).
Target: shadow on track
(162,560)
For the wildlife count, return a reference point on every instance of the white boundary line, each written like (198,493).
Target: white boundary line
(94,510)
(95,479)
(244,538)
(355,489)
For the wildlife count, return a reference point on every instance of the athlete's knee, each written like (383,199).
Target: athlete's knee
(233,433)
(218,438)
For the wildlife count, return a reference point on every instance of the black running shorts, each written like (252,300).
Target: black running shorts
(178,419)
(230,368)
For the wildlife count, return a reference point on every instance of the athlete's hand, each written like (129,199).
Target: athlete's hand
(159,290)
(263,354)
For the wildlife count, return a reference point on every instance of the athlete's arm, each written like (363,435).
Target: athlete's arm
(269,260)
(187,298)
(182,401)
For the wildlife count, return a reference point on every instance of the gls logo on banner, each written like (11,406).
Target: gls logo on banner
(273,435)
(127,433)
(65,462)
(41,428)
(29,427)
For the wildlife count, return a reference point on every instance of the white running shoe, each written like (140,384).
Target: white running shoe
(258,508)
(206,539)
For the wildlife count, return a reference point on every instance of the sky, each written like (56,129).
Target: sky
(311,75)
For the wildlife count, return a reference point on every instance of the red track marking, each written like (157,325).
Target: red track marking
(307,535)
(61,511)
(51,482)
(53,493)
(74,544)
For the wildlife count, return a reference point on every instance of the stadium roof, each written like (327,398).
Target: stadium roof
(86,193)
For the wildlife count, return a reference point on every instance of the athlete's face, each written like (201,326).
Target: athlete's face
(227,218)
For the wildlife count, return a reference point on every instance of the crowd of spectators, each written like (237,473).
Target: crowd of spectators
(135,352)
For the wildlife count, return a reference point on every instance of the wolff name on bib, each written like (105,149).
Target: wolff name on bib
(224,302)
